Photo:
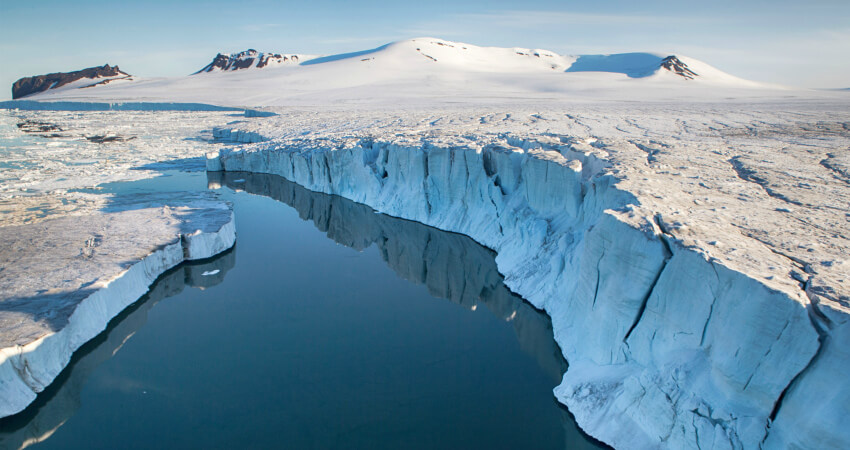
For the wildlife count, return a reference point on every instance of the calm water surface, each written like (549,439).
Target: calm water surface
(327,326)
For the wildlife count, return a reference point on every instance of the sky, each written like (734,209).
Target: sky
(804,44)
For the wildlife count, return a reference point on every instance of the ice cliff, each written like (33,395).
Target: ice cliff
(65,278)
(62,398)
(667,345)
(450,265)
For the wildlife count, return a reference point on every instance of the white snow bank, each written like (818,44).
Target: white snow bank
(63,279)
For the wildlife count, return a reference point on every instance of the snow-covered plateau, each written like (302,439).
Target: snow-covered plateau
(53,161)
(685,230)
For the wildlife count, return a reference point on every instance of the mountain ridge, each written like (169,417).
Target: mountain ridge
(422,70)
(247,59)
(40,83)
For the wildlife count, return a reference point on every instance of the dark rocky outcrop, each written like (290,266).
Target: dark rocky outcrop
(106,138)
(244,60)
(675,65)
(33,126)
(40,83)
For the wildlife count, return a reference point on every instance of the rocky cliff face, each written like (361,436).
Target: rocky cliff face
(40,83)
(675,65)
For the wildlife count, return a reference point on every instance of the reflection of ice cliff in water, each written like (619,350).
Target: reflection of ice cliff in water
(61,399)
(450,265)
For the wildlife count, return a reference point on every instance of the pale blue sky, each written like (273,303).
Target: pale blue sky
(790,42)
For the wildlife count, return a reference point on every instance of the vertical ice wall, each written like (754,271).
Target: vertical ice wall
(664,346)
(56,296)
(52,411)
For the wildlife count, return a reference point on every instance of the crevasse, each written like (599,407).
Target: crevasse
(665,348)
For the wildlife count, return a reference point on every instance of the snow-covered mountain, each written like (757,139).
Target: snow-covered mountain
(249,59)
(89,77)
(426,70)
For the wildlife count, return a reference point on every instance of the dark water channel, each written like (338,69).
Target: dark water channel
(327,326)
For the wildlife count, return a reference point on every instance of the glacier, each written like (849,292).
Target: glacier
(64,278)
(669,342)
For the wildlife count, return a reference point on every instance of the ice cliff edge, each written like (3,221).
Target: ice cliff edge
(667,345)
(65,278)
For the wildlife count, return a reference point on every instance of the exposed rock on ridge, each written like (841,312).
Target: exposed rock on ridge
(245,60)
(40,83)
(675,65)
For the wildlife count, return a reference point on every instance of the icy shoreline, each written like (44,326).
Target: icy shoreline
(660,341)
(34,105)
(62,399)
(65,278)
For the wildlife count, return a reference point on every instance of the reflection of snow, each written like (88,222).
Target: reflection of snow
(210,272)
(451,266)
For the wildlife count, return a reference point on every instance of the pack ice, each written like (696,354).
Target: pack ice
(64,278)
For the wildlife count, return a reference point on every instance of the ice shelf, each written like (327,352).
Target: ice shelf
(63,279)
(687,317)
(62,399)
